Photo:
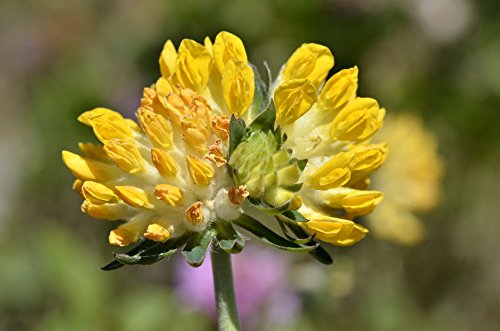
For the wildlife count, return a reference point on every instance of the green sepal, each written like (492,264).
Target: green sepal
(261,94)
(268,209)
(146,252)
(294,216)
(237,131)
(270,237)
(294,187)
(196,247)
(319,253)
(228,238)
(300,163)
(284,229)
(265,120)
(278,137)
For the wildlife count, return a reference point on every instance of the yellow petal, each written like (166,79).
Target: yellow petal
(192,67)
(158,129)
(208,44)
(125,155)
(358,232)
(97,193)
(194,214)
(195,134)
(163,88)
(133,196)
(164,162)
(169,194)
(238,86)
(227,46)
(368,158)
(339,90)
(334,173)
(86,169)
(358,121)
(77,185)
(108,211)
(326,228)
(94,113)
(167,59)
(110,126)
(201,172)
(157,232)
(309,61)
(293,99)
(355,202)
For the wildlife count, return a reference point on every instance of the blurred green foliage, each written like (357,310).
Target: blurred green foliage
(60,58)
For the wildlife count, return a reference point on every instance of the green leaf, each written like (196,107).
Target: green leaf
(284,229)
(270,237)
(236,133)
(265,120)
(319,253)
(300,163)
(268,209)
(294,216)
(294,187)
(229,239)
(261,95)
(196,247)
(146,252)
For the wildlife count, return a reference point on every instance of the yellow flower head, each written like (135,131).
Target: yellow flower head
(410,179)
(214,144)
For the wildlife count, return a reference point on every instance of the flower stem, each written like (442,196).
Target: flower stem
(224,290)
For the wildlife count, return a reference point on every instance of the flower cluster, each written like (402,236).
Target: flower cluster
(215,146)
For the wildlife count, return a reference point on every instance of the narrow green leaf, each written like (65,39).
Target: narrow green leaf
(319,253)
(300,163)
(294,187)
(196,247)
(294,216)
(265,120)
(270,237)
(236,133)
(261,95)
(286,233)
(229,239)
(268,209)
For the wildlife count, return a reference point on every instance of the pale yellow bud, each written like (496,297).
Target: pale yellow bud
(293,99)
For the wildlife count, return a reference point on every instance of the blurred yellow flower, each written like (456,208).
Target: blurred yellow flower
(410,180)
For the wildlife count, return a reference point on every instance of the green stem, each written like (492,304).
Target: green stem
(224,290)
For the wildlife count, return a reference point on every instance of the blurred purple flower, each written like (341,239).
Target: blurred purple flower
(263,293)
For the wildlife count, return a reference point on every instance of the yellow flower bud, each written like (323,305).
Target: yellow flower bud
(157,232)
(339,90)
(336,231)
(238,86)
(368,158)
(194,214)
(195,134)
(354,202)
(85,117)
(169,194)
(158,129)
(227,46)
(201,172)
(334,173)
(125,155)
(293,99)
(87,169)
(107,125)
(164,162)
(133,196)
(192,66)
(309,61)
(358,121)
(167,59)
(97,193)
(122,237)
(108,211)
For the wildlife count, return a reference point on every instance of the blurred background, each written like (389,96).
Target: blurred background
(434,64)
